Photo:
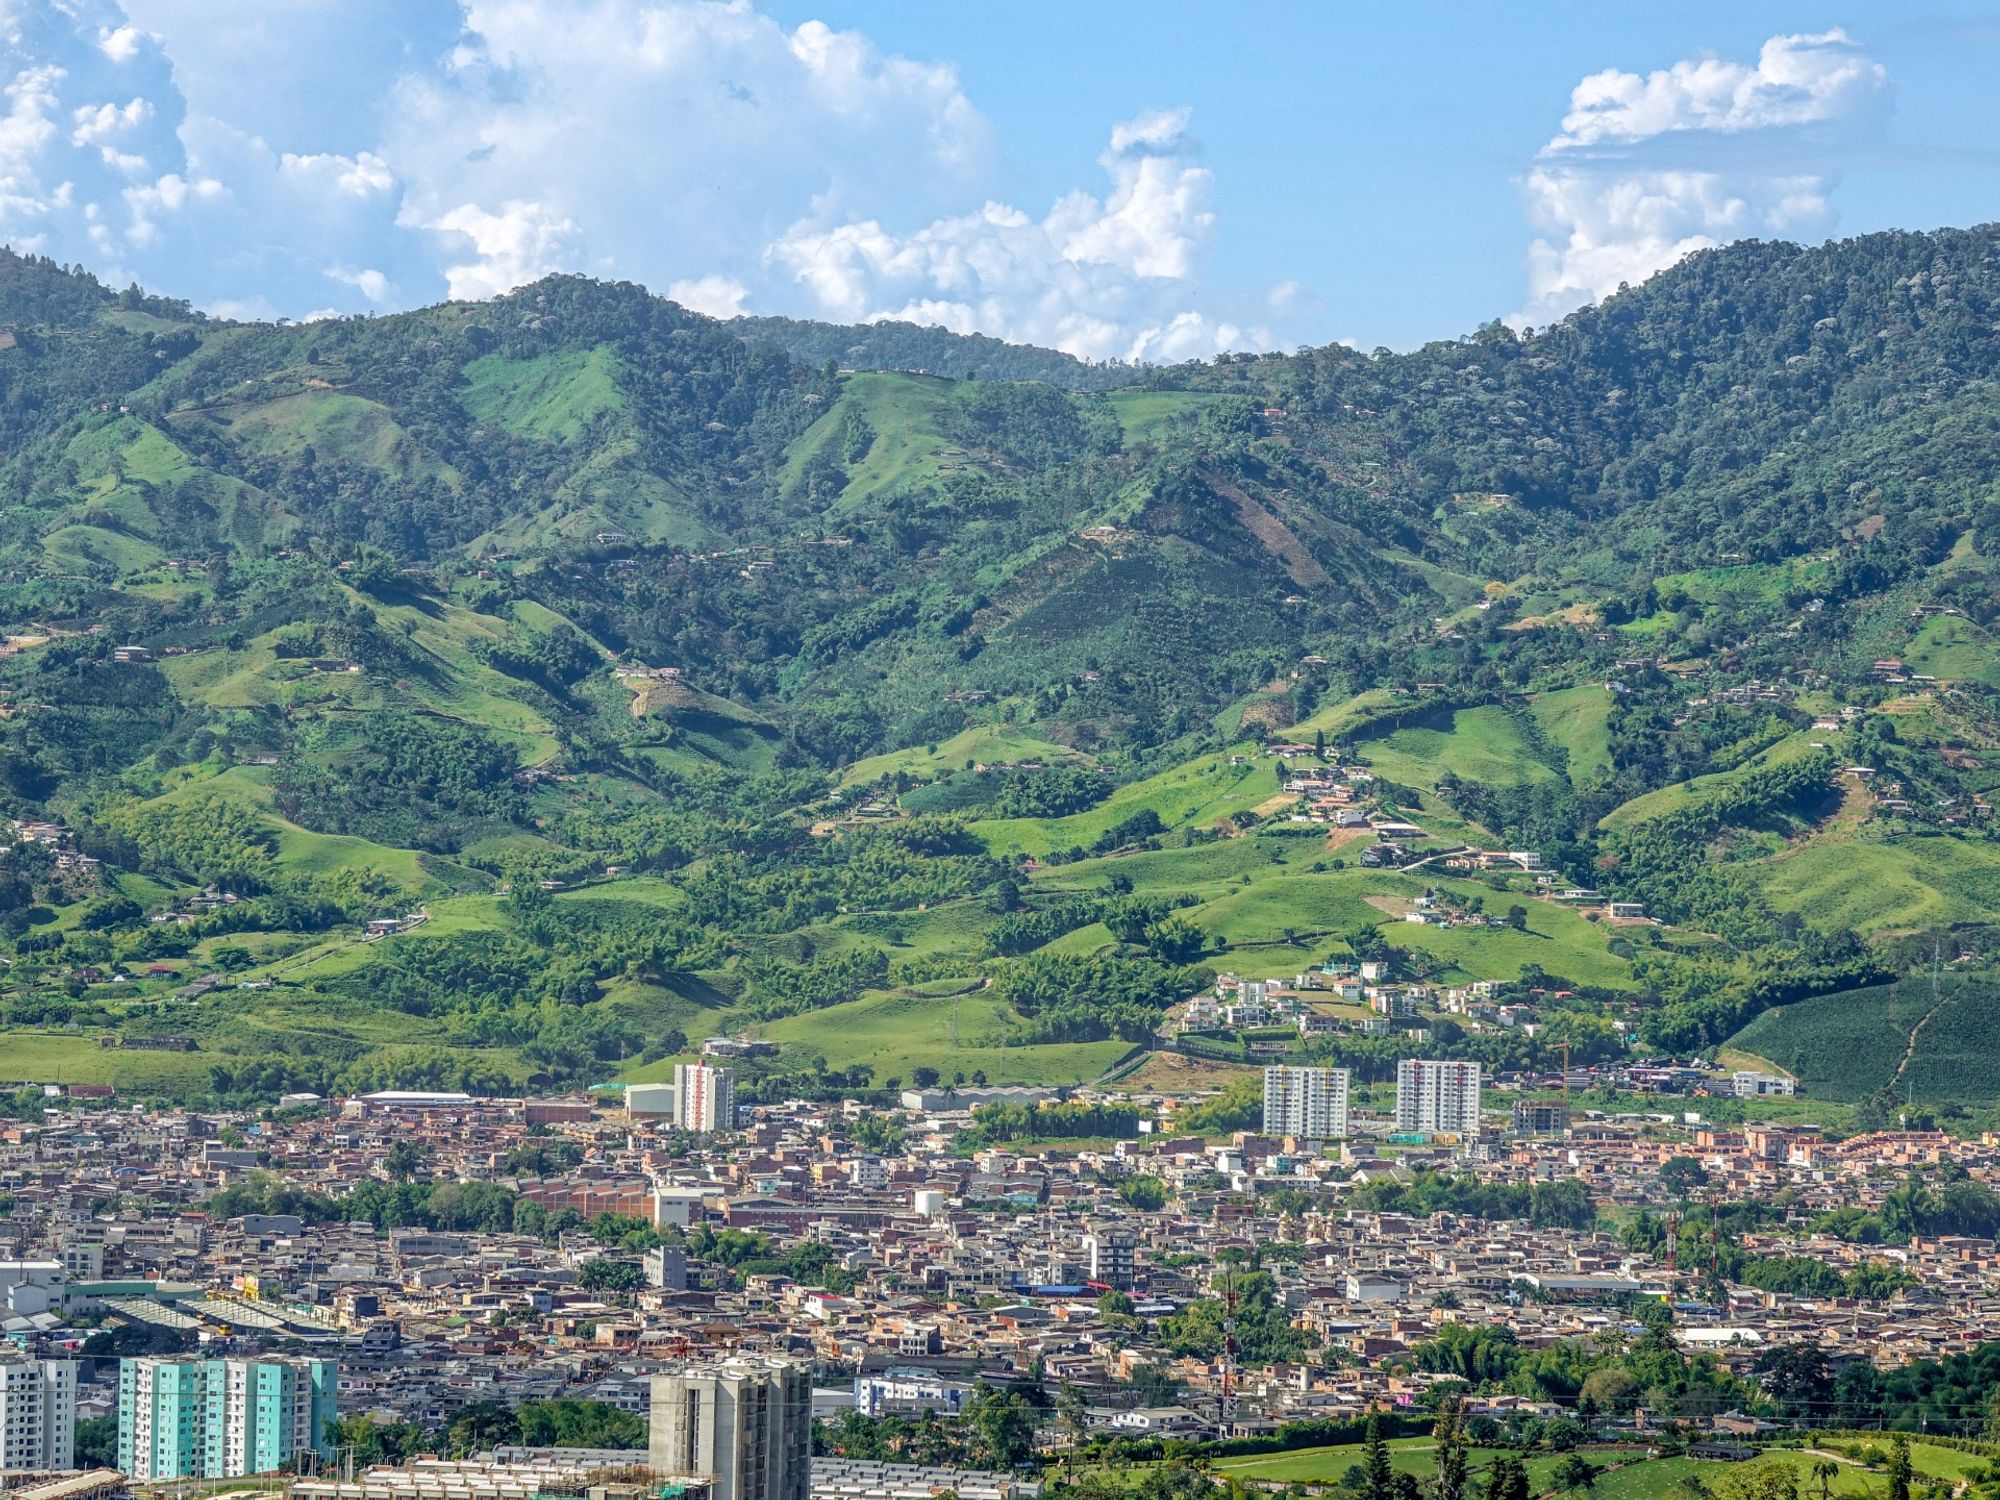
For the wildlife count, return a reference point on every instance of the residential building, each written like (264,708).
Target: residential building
(744,1425)
(706,1098)
(1540,1117)
(1113,1257)
(1307,1102)
(1749,1084)
(1437,1098)
(221,1418)
(37,1413)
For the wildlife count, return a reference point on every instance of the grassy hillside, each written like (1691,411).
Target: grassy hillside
(1923,1045)
(658,660)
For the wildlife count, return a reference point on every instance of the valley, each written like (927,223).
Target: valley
(510,696)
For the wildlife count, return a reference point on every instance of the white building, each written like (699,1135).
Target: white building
(680,1207)
(744,1425)
(1749,1084)
(28,1287)
(707,1096)
(909,1393)
(37,1413)
(1306,1102)
(652,1100)
(1437,1098)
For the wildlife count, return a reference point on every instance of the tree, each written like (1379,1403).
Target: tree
(1680,1175)
(402,1160)
(1073,1413)
(1449,1430)
(1796,1377)
(1609,1388)
(1378,1480)
(1003,1427)
(1900,1469)
(607,1275)
(97,1443)
(1770,1479)
(1562,1434)
(1145,1193)
(1507,1479)
(1575,1475)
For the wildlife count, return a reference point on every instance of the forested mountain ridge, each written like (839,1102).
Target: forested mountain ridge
(870,682)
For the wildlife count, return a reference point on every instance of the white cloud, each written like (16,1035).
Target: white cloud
(371,283)
(717,296)
(1796,80)
(677,136)
(1110,278)
(1647,170)
(519,243)
(121,44)
(462,147)
(365,175)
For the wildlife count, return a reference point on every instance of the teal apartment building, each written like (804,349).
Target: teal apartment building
(220,1418)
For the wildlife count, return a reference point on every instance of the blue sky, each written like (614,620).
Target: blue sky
(1135,180)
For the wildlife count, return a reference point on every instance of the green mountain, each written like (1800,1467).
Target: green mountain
(924,718)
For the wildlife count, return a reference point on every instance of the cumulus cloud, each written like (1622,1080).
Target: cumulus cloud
(676,138)
(463,147)
(1647,169)
(1101,278)
(500,251)
(717,296)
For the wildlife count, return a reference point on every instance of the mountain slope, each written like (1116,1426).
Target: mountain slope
(673,678)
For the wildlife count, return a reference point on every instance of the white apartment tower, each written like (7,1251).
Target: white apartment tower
(37,1413)
(706,1097)
(744,1425)
(1437,1098)
(1307,1102)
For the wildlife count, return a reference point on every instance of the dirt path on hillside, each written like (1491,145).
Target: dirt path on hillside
(1916,1035)
(1277,537)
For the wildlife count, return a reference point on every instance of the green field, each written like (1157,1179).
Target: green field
(56,1057)
(1895,884)
(550,398)
(1681,794)
(894,1033)
(907,414)
(1579,720)
(300,850)
(1847,1046)
(1142,413)
(986,744)
(1623,1473)
(1476,744)
(1199,793)
(1954,649)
